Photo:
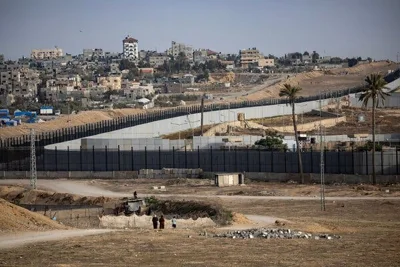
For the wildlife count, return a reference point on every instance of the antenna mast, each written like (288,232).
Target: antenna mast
(33,160)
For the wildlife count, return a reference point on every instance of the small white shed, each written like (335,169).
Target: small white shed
(228,179)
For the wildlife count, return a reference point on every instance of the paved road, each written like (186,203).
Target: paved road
(84,189)
(19,239)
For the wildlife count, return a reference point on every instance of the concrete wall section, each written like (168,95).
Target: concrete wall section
(167,126)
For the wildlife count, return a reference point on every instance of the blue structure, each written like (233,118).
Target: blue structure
(29,114)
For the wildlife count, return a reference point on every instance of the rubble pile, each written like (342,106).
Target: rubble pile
(274,233)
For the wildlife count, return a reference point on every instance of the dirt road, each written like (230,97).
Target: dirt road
(19,239)
(82,188)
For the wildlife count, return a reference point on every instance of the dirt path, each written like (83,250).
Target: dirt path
(82,188)
(19,239)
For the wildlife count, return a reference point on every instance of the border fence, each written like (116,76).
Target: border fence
(210,160)
(75,132)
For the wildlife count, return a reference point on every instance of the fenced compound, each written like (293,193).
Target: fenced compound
(80,216)
(75,132)
(209,160)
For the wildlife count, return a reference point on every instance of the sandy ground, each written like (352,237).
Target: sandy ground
(369,227)
(287,192)
(20,239)
(370,232)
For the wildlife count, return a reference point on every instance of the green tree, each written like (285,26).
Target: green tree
(206,75)
(272,142)
(352,62)
(143,64)
(291,93)
(125,64)
(315,57)
(108,93)
(373,91)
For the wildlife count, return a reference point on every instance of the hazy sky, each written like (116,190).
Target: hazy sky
(338,27)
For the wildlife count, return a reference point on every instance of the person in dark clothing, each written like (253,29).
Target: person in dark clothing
(135,195)
(155,221)
(162,222)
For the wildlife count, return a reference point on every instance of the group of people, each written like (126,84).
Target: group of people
(161,220)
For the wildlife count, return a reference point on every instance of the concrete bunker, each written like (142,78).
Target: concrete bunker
(228,179)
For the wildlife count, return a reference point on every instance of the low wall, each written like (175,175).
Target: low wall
(134,221)
(304,127)
(315,178)
(166,173)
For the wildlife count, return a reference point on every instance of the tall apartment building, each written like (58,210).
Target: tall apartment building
(46,53)
(177,48)
(1,58)
(130,48)
(249,56)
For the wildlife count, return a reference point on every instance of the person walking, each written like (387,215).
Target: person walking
(155,222)
(162,222)
(173,222)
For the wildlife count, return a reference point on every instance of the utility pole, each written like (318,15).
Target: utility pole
(202,114)
(33,160)
(322,164)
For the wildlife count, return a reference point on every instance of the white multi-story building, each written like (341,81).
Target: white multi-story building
(46,53)
(130,48)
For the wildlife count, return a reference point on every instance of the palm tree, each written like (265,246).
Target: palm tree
(374,91)
(291,94)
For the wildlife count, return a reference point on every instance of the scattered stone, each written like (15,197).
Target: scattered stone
(273,234)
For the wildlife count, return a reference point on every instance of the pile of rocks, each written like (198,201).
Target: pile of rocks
(274,233)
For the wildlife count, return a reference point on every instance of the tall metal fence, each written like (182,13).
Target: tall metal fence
(212,160)
(74,132)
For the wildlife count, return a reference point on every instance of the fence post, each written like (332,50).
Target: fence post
(185,158)
(272,160)
(19,163)
(338,160)
(55,157)
(7,165)
(198,157)
(352,160)
(106,150)
(224,156)
(119,159)
(80,157)
(236,161)
(44,159)
(145,157)
(94,168)
(259,160)
(159,158)
(325,165)
(311,160)
(397,160)
(382,161)
(68,158)
(132,158)
(366,160)
(173,157)
(285,161)
(211,159)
